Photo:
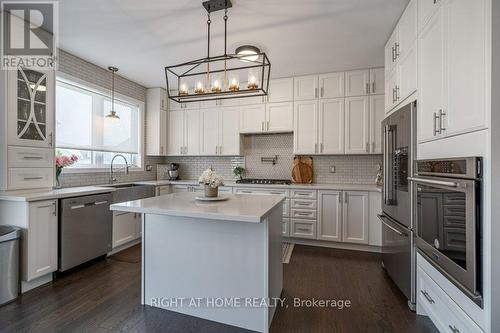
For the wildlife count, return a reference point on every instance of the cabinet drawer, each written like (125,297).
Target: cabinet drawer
(26,157)
(285,227)
(304,194)
(286,208)
(303,214)
(303,229)
(23,178)
(443,311)
(244,190)
(304,204)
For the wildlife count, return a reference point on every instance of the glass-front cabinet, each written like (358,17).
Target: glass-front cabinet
(31,108)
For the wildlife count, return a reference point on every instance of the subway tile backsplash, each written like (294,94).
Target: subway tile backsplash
(352,169)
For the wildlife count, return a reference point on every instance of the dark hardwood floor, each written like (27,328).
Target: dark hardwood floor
(105,297)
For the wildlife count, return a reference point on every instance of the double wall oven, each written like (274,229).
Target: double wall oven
(398,256)
(448,219)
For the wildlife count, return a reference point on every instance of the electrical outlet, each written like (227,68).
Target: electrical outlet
(332,169)
(149,167)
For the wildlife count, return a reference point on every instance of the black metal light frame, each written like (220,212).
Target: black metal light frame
(193,68)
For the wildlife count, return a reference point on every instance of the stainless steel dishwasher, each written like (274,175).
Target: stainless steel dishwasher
(85,229)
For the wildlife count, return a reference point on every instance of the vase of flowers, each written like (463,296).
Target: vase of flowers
(211,181)
(63,161)
(239,172)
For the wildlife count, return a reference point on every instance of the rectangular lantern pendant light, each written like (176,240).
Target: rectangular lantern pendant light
(225,76)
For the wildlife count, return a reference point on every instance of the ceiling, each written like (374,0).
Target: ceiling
(299,36)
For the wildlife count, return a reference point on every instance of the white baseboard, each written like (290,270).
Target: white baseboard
(343,246)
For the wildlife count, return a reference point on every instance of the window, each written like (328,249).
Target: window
(83,129)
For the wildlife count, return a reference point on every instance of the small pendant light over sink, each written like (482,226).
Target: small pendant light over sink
(112,116)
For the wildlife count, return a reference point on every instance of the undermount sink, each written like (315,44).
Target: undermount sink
(130,192)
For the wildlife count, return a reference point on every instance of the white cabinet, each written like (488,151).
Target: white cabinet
(279,117)
(401,58)
(357,83)
(124,228)
(253,118)
(280,90)
(156,122)
(306,87)
(330,215)
(375,226)
(355,217)
(377,112)
(431,86)
(220,132)
(305,134)
(331,126)
(426,8)
(377,81)
(357,125)
(331,85)
(30,116)
(183,132)
(40,242)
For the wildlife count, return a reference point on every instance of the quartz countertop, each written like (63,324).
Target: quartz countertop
(239,207)
(48,193)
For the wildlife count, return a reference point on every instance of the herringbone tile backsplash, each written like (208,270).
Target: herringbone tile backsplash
(351,169)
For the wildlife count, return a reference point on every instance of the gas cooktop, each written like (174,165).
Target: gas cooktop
(264,181)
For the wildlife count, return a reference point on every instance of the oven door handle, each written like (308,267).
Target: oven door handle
(382,219)
(433,182)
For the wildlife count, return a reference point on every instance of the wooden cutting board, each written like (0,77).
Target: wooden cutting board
(302,171)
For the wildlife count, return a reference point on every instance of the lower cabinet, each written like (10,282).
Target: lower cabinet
(126,227)
(39,248)
(355,217)
(330,216)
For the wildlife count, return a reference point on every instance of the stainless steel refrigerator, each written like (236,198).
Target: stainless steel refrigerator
(398,250)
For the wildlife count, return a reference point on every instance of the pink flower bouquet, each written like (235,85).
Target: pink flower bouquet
(63,161)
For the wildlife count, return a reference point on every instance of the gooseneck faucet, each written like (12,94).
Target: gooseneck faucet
(111,178)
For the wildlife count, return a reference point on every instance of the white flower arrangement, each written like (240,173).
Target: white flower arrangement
(211,178)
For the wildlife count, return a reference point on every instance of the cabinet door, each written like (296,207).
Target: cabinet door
(192,132)
(210,131)
(30,108)
(41,240)
(138,225)
(124,228)
(279,117)
(175,132)
(376,116)
(253,118)
(407,28)
(431,76)
(355,221)
(390,51)
(467,66)
(390,87)
(163,128)
(280,90)
(330,215)
(426,8)
(305,120)
(331,85)
(306,87)
(356,125)
(407,73)
(357,83)
(229,142)
(377,81)
(375,226)
(331,126)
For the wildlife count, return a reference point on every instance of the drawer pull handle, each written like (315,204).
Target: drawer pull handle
(32,178)
(101,202)
(303,194)
(302,204)
(427,297)
(32,158)
(303,229)
(303,214)
(280,193)
(454,329)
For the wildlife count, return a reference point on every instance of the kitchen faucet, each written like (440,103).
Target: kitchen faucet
(111,178)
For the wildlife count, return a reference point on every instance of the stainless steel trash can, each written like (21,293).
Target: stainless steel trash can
(9,263)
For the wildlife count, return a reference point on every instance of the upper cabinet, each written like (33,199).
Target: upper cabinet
(452,67)
(156,120)
(267,118)
(220,132)
(183,133)
(331,85)
(401,58)
(357,125)
(306,87)
(377,81)
(280,90)
(30,108)
(357,83)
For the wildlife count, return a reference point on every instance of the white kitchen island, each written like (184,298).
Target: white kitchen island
(214,260)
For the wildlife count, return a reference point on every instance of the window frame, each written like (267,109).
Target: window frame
(94,88)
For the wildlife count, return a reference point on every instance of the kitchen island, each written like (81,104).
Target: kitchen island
(219,261)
